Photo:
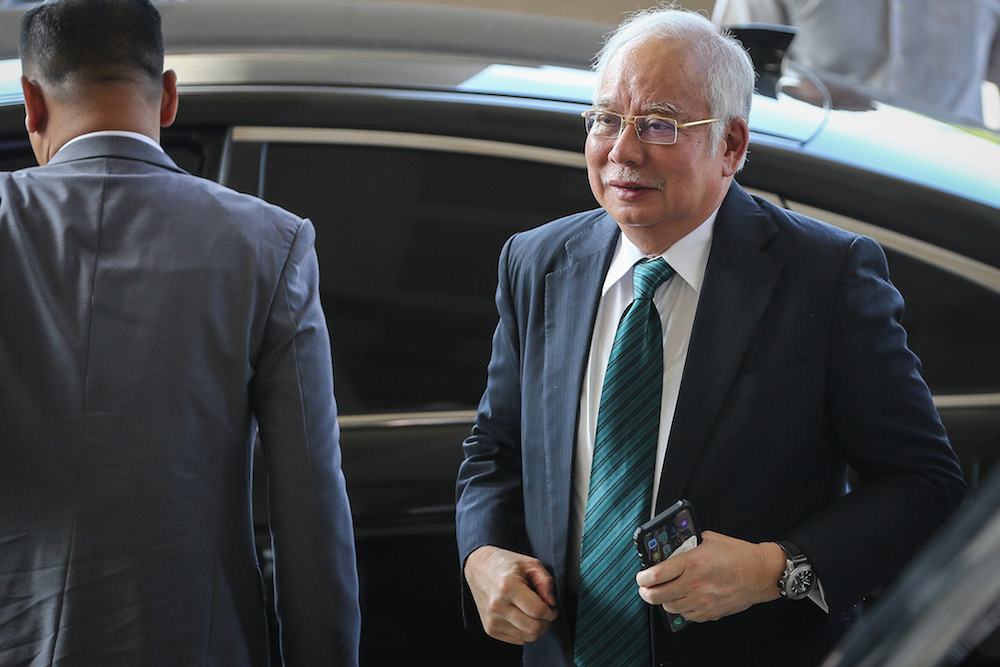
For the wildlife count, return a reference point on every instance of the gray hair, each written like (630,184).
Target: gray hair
(729,73)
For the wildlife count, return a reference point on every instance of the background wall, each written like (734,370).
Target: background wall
(609,12)
(605,11)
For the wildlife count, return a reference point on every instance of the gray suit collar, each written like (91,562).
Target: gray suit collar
(126,148)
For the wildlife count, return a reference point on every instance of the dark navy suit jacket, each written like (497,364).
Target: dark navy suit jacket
(150,321)
(797,368)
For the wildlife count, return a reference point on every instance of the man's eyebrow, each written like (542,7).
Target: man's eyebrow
(656,108)
(664,108)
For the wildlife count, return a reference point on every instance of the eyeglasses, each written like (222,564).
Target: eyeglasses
(649,129)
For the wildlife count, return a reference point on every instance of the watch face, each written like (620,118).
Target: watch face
(801,583)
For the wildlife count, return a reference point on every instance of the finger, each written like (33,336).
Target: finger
(500,628)
(511,611)
(661,595)
(661,573)
(506,632)
(542,583)
(514,626)
(527,629)
(503,585)
(678,607)
(530,605)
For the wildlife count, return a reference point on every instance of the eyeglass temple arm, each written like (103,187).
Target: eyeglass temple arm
(698,122)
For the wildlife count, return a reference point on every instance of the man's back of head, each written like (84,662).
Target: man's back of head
(90,66)
(67,43)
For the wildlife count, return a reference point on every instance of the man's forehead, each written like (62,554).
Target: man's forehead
(649,75)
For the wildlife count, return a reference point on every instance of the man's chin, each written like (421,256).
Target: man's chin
(628,219)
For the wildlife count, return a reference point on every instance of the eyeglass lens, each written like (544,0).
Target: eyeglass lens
(650,129)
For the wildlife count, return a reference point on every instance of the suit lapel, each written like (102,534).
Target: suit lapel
(738,284)
(572,294)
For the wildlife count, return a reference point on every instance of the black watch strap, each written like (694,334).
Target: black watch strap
(798,579)
(792,551)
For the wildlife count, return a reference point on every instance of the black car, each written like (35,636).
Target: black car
(418,139)
(945,608)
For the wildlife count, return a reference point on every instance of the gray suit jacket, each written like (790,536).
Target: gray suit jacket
(797,368)
(150,321)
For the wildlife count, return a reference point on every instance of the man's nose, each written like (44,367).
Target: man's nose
(628,148)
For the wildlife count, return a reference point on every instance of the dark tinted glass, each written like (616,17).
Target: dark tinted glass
(187,150)
(16,153)
(953,326)
(408,242)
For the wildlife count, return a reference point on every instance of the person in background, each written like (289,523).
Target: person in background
(152,324)
(935,53)
(688,340)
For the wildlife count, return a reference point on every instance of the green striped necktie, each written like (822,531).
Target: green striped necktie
(612,626)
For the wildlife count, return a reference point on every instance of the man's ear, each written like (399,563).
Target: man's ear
(737,139)
(168,101)
(35,110)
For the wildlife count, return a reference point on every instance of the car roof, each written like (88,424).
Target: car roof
(392,26)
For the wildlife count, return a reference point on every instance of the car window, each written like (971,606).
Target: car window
(188,150)
(953,325)
(16,154)
(408,241)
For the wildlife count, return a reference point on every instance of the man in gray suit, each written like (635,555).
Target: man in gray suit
(152,323)
(778,361)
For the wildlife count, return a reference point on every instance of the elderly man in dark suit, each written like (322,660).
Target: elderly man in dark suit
(688,340)
(152,322)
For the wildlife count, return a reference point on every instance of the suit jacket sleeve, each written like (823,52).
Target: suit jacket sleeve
(891,435)
(490,506)
(292,398)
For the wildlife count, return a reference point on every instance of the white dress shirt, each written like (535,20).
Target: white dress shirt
(676,300)
(113,133)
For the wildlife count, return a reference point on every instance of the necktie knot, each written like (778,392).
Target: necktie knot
(647,275)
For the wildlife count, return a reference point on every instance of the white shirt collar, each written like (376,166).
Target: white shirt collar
(113,133)
(688,257)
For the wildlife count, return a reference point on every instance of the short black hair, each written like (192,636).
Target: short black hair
(98,39)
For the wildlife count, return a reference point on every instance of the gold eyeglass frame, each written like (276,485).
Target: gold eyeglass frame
(632,119)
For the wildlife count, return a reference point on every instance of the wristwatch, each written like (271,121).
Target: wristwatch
(798,579)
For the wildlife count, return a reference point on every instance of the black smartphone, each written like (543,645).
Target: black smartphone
(672,531)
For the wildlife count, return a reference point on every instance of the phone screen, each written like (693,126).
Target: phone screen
(669,533)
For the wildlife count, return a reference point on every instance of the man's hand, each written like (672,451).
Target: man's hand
(515,594)
(719,577)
